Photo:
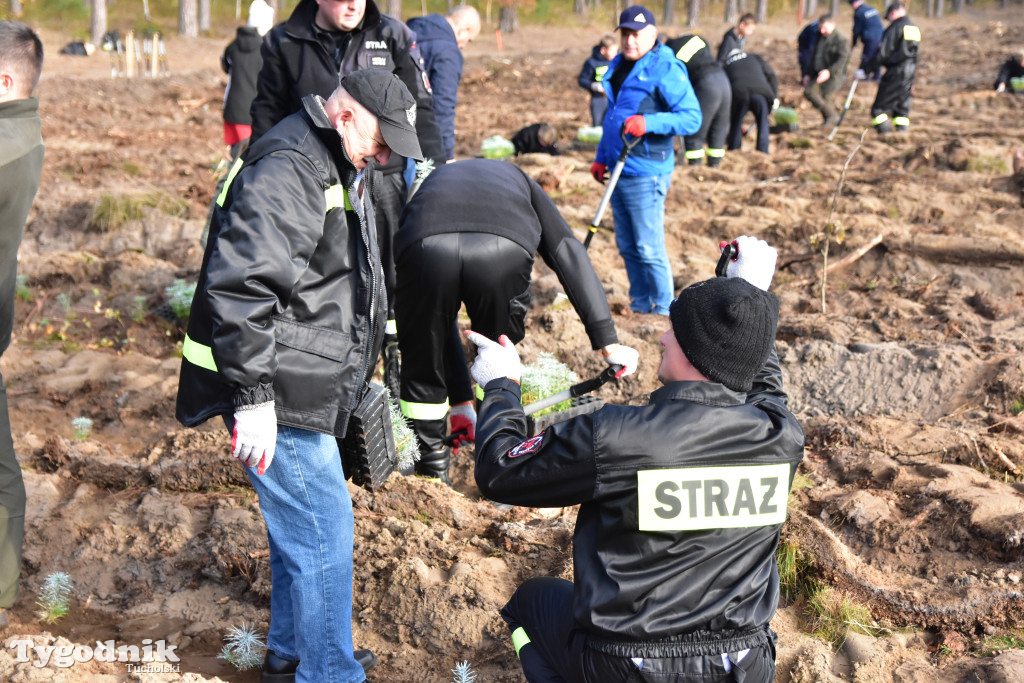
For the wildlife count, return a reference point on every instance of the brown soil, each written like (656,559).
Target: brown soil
(907,387)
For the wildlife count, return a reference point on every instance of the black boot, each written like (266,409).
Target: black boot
(392,364)
(435,464)
(366,659)
(277,669)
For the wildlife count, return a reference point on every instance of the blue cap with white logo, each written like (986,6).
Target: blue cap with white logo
(635,18)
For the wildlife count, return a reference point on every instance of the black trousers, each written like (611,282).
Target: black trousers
(435,276)
(894,92)
(388,200)
(715,96)
(759,105)
(552,650)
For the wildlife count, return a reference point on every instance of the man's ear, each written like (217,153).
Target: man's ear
(6,84)
(345,115)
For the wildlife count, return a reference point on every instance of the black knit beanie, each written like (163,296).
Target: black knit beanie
(726,328)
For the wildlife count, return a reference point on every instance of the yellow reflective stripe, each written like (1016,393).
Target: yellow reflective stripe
(424,411)
(479,392)
(227,181)
(599,73)
(198,354)
(881,118)
(692,46)
(716,153)
(391,327)
(520,639)
(336,196)
(901,121)
(694,154)
(911,32)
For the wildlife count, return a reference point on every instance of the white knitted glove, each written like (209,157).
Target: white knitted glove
(620,354)
(255,435)
(860,75)
(494,360)
(755,262)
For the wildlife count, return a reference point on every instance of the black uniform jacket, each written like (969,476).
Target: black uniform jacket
(290,302)
(296,64)
(681,503)
(749,74)
(899,48)
(692,51)
(241,61)
(484,195)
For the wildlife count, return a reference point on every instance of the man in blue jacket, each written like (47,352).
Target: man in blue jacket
(441,41)
(649,95)
(867,28)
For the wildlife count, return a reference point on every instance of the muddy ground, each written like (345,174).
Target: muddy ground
(908,385)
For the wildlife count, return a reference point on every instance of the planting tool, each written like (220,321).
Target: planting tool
(627,147)
(582,404)
(730,252)
(846,108)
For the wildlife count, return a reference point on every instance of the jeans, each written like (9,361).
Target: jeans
(638,207)
(305,504)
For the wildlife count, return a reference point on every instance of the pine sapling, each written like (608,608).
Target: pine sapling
(82,428)
(54,597)
(245,647)
(406,447)
(463,673)
(545,377)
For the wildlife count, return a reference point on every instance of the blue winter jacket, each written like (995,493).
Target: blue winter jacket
(867,25)
(443,65)
(659,88)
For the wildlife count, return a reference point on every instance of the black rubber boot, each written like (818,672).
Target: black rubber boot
(278,670)
(435,464)
(392,364)
(883,128)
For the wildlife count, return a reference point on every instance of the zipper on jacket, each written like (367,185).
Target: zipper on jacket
(373,293)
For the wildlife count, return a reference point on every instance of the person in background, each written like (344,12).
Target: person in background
(1012,68)
(21,166)
(805,43)
(649,96)
(826,70)
(867,28)
(441,41)
(536,138)
(593,73)
(682,500)
(898,52)
(241,61)
(755,88)
(714,93)
(735,39)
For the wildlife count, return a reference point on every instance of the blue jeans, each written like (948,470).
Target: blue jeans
(305,504)
(638,206)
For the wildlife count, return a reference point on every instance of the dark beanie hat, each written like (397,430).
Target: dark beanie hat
(726,328)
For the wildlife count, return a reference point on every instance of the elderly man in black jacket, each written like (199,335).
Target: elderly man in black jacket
(282,339)
(826,69)
(681,500)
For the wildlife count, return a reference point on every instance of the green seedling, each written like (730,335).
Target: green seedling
(406,446)
(82,428)
(463,673)
(546,377)
(245,647)
(54,597)
(21,289)
(179,298)
(832,614)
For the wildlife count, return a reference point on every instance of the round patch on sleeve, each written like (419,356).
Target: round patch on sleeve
(528,446)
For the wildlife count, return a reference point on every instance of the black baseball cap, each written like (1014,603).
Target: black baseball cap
(386,97)
(635,18)
(896,5)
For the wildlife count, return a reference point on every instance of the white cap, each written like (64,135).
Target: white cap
(261,16)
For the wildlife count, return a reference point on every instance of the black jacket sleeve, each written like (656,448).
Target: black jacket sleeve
(769,74)
(554,469)
(567,256)
(410,68)
(271,103)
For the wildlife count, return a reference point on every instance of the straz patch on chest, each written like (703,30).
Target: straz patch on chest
(693,498)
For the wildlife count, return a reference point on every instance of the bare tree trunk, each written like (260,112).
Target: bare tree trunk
(957,5)
(732,11)
(811,8)
(395,9)
(929,6)
(940,8)
(694,13)
(188,18)
(204,15)
(579,7)
(835,8)
(15,9)
(669,17)
(97,21)
(508,19)
(761,11)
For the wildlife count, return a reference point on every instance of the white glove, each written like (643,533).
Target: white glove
(255,435)
(494,360)
(775,104)
(755,262)
(860,75)
(1001,87)
(619,354)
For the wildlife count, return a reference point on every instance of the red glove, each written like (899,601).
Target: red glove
(599,171)
(462,425)
(635,125)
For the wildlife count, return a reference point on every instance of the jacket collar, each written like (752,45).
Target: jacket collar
(313,106)
(19,109)
(708,393)
(300,23)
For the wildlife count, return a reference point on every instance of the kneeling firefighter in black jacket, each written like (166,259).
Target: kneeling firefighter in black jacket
(681,500)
